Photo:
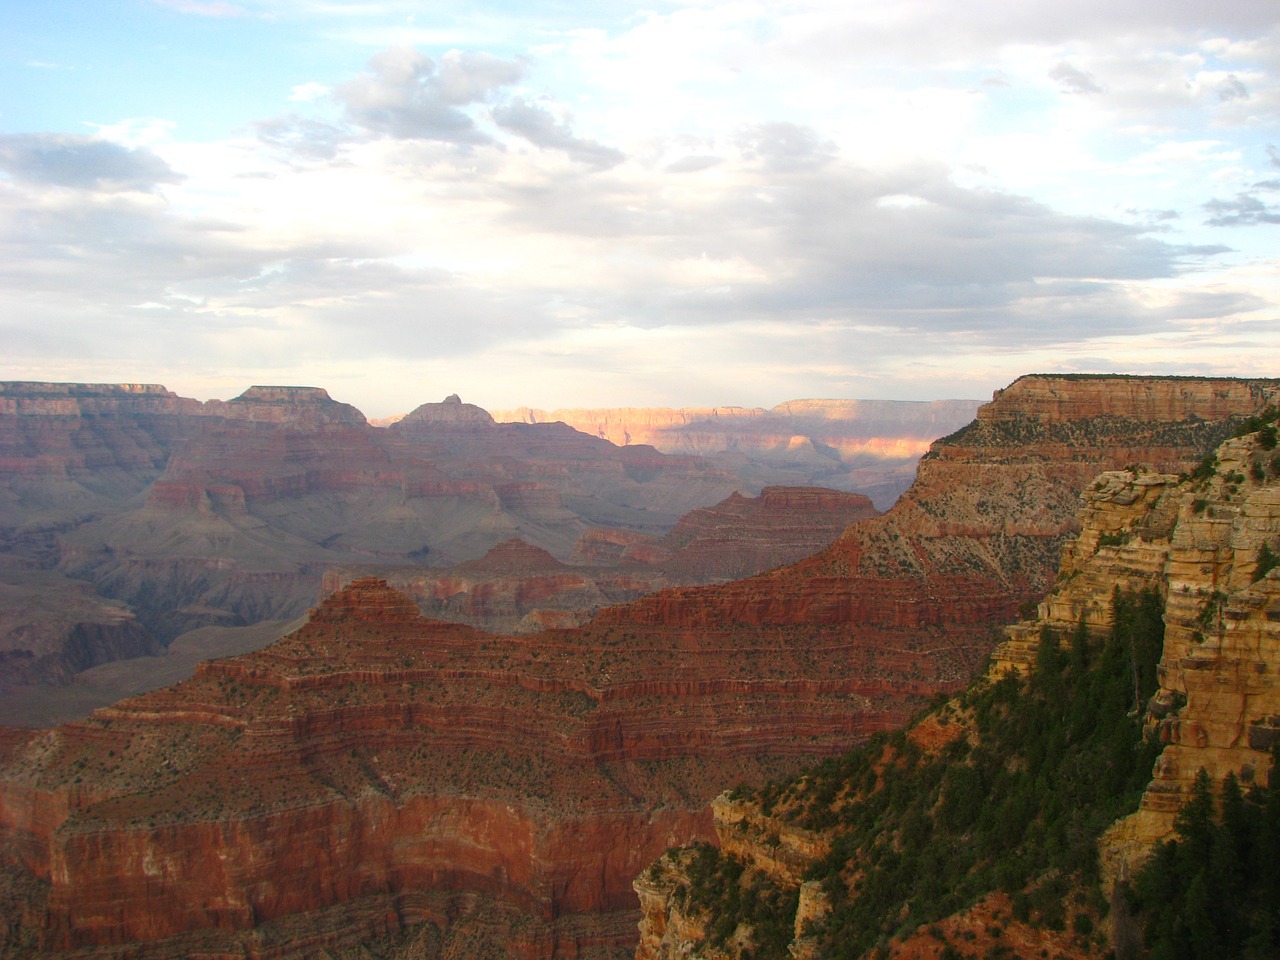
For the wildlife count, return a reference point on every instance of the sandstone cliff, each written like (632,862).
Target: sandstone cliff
(380,757)
(1204,546)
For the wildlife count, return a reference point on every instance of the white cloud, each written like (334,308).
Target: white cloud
(308,92)
(812,198)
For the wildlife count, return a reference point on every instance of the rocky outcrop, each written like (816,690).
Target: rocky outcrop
(1197,541)
(742,536)
(378,755)
(449,410)
(1218,704)
(1078,397)
(372,757)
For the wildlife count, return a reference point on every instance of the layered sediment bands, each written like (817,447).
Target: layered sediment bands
(1197,542)
(230,512)
(370,754)
(1156,399)
(518,587)
(743,536)
(1203,549)
(360,732)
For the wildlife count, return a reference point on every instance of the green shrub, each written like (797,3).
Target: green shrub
(1267,561)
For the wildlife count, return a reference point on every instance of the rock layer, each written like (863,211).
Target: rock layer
(400,756)
(191,514)
(1207,545)
(518,587)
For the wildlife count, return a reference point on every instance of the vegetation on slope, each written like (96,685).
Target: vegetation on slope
(1033,772)
(1215,891)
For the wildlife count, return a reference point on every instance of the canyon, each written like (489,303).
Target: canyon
(1204,547)
(130,516)
(868,446)
(378,777)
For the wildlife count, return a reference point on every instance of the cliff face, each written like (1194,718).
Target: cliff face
(386,756)
(517,587)
(370,757)
(1205,546)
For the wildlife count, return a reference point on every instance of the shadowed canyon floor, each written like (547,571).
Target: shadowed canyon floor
(374,770)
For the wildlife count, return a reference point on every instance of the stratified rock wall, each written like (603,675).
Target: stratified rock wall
(1207,545)
(518,587)
(401,756)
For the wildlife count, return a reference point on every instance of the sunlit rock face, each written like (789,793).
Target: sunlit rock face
(1205,548)
(375,774)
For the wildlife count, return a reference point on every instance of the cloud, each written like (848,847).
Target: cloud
(405,95)
(308,92)
(86,163)
(1072,80)
(312,139)
(1232,89)
(692,163)
(540,127)
(785,147)
(1245,210)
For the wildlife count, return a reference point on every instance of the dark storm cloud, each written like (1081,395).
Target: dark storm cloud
(82,162)
(540,127)
(406,95)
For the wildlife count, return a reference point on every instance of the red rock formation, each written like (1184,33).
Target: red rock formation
(367,757)
(182,510)
(520,588)
(742,536)
(372,756)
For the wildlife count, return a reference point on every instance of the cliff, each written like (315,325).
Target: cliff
(518,587)
(375,773)
(372,757)
(1169,601)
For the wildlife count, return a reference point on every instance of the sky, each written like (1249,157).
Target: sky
(603,204)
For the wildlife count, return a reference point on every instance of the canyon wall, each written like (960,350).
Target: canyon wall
(1205,545)
(373,760)
(187,514)
(517,587)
